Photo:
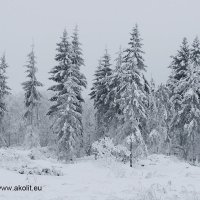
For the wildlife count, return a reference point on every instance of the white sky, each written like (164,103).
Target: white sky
(162,24)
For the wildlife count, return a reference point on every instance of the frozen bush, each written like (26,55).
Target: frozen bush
(39,171)
(122,153)
(137,145)
(105,148)
(35,154)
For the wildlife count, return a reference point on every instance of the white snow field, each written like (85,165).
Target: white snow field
(154,178)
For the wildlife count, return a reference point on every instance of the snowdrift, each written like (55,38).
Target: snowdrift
(157,177)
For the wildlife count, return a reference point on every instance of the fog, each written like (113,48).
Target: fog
(102,23)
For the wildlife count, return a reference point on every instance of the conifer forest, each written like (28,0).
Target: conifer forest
(120,135)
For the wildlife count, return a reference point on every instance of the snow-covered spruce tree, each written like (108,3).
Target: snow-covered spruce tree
(165,112)
(132,96)
(112,114)
(99,93)
(89,126)
(179,71)
(185,122)
(152,115)
(188,115)
(195,59)
(159,115)
(178,68)
(32,101)
(152,107)
(67,109)
(77,62)
(195,53)
(32,95)
(4,91)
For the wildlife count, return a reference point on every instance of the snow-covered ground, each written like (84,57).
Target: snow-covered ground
(156,177)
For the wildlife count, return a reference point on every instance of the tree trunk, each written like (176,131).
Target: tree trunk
(197,159)
(193,148)
(9,138)
(185,151)
(37,116)
(131,153)
(95,156)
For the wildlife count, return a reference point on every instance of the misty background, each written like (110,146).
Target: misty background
(101,24)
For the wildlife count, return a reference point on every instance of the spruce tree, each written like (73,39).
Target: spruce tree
(195,52)
(119,59)
(32,95)
(186,121)
(180,62)
(132,95)
(187,118)
(59,72)
(77,63)
(4,91)
(152,121)
(114,82)
(195,55)
(179,74)
(132,90)
(100,91)
(178,66)
(67,108)
(134,53)
(165,113)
